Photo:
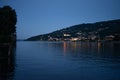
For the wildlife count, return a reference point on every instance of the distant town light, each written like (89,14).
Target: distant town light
(66,34)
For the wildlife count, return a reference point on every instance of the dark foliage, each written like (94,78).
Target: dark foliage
(8,21)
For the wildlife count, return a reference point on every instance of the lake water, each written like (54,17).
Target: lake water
(63,61)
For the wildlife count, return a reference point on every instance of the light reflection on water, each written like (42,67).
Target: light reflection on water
(89,49)
(67,61)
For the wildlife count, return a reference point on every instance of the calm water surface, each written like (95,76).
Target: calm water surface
(66,61)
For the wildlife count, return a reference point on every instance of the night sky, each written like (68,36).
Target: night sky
(43,16)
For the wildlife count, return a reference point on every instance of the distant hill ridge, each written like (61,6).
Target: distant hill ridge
(83,32)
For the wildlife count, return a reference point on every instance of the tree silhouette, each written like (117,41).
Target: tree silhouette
(8,21)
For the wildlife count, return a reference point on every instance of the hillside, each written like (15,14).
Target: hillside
(88,31)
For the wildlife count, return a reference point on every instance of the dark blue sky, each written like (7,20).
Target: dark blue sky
(43,16)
